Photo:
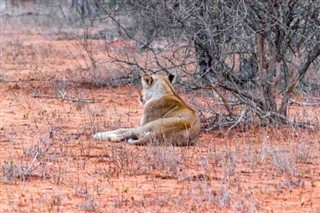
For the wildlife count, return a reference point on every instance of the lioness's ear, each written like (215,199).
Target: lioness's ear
(147,78)
(170,77)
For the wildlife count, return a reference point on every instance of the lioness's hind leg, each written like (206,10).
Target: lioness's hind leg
(115,135)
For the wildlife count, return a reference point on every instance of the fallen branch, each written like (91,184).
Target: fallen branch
(85,100)
(292,101)
(217,121)
(277,117)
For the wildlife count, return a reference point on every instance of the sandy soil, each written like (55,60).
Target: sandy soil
(50,163)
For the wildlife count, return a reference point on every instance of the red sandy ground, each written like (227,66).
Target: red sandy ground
(257,170)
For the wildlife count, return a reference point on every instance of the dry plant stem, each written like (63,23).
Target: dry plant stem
(86,100)
(28,172)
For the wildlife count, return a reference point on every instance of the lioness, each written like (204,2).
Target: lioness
(166,120)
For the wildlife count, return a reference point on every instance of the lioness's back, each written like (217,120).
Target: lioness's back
(169,104)
(167,119)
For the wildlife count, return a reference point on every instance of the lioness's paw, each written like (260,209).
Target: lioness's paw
(114,137)
(98,136)
(135,142)
(107,136)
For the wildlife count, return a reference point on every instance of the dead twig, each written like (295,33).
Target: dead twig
(85,100)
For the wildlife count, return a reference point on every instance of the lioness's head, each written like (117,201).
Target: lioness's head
(154,86)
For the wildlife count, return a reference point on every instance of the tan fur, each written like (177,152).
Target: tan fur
(167,119)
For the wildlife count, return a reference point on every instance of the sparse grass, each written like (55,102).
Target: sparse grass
(283,160)
(224,197)
(55,204)
(163,158)
(215,172)
(303,152)
(122,161)
(10,171)
(89,205)
(224,158)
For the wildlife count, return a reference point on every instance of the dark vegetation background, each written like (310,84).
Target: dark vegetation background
(254,56)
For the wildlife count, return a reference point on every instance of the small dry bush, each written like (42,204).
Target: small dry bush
(33,161)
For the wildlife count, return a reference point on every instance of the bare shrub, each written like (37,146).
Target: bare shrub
(256,52)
